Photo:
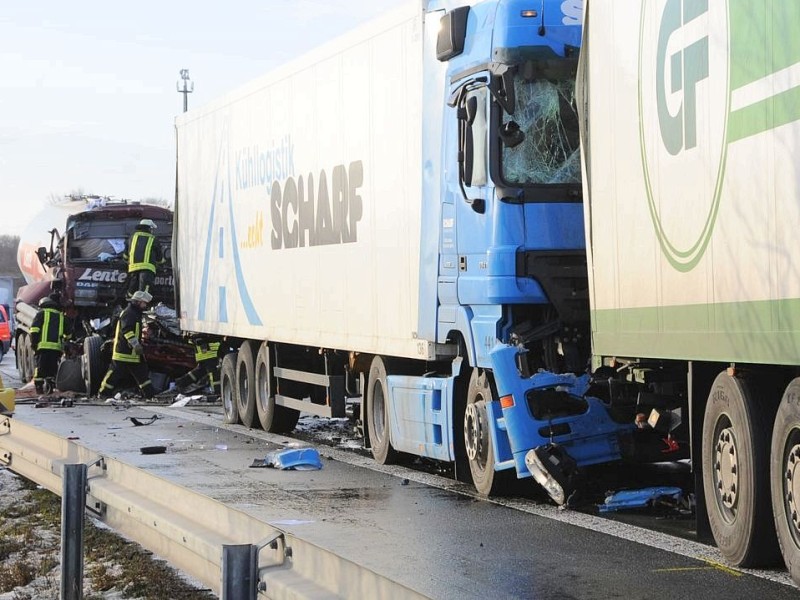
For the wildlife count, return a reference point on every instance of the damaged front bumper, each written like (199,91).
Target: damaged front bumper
(553,428)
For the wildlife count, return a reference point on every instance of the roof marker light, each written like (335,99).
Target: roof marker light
(529,13)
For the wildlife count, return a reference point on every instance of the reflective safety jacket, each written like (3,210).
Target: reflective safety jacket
(129,327)
(144,252)
(206,351)
(47,330)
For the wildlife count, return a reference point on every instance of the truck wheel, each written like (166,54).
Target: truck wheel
(19,355)
(245,384)
(227,377)
(24,358)
(735,474)
(785,477)
(92,364)
(30,359)
(378,413)
(478,440)
(69,377)
(273,418)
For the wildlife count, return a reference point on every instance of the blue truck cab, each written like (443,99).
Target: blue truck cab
(503,240)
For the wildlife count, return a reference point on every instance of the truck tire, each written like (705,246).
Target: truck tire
(736,430)
(273,418)
(30,359)
(92,364)
(227,378)
(69,377)
(378,414)
(19,355)
(246,384)
(785,477)
(24,358)
(478,440)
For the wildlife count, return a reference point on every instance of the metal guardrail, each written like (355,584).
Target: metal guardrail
(234,554)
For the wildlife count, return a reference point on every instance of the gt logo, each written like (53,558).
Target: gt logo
(687,67)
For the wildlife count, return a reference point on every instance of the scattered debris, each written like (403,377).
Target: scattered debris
(299,459)
(669,497)
(142,423)
(181,400)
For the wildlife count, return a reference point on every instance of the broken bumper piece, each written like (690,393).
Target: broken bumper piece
(554,470)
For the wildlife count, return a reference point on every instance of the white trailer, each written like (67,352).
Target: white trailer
(342,210)
(692,200)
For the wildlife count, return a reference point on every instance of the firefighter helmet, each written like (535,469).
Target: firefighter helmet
(141,296)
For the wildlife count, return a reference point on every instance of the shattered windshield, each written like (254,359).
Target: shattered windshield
(547,115)
(104,240)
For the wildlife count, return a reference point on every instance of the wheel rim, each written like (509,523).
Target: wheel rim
(262,391)
(227,397)
(243,384)
(476,436)
(791,484)
(378,411)
(726,470)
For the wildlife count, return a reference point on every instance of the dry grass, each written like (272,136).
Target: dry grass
(30,538)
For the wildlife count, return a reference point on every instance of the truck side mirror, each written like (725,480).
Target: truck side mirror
(470,110)
(452,33)
(41,254)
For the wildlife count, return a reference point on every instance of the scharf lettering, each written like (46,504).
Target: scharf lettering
(309,213)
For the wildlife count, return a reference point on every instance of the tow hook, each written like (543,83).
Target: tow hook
(555,470)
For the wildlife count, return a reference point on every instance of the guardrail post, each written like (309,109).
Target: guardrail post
(239,572)
(73,507)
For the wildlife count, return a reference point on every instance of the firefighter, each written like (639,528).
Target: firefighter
(128,354)
(206,355)
(48,331)
(143,253)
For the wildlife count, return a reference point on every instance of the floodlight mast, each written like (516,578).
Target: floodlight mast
(185,87)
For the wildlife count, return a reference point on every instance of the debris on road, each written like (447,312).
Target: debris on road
(669,497)
(298,459)
(181,400)
(143,422)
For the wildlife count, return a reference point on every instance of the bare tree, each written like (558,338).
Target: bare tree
(8,254)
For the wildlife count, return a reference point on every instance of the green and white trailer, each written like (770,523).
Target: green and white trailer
(691,148)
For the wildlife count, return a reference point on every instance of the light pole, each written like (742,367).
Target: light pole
(185,87)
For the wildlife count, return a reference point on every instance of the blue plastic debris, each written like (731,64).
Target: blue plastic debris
(641,498)
(298,459)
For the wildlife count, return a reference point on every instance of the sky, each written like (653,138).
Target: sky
(88,89)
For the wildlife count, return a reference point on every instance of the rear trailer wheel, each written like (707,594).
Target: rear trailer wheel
(785,477)
(378,413)
(245,384)
(478,438)
(227,377)
(92,364)
(273,418)
(735,474)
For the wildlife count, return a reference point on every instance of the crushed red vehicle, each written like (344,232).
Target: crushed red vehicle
(86,268)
